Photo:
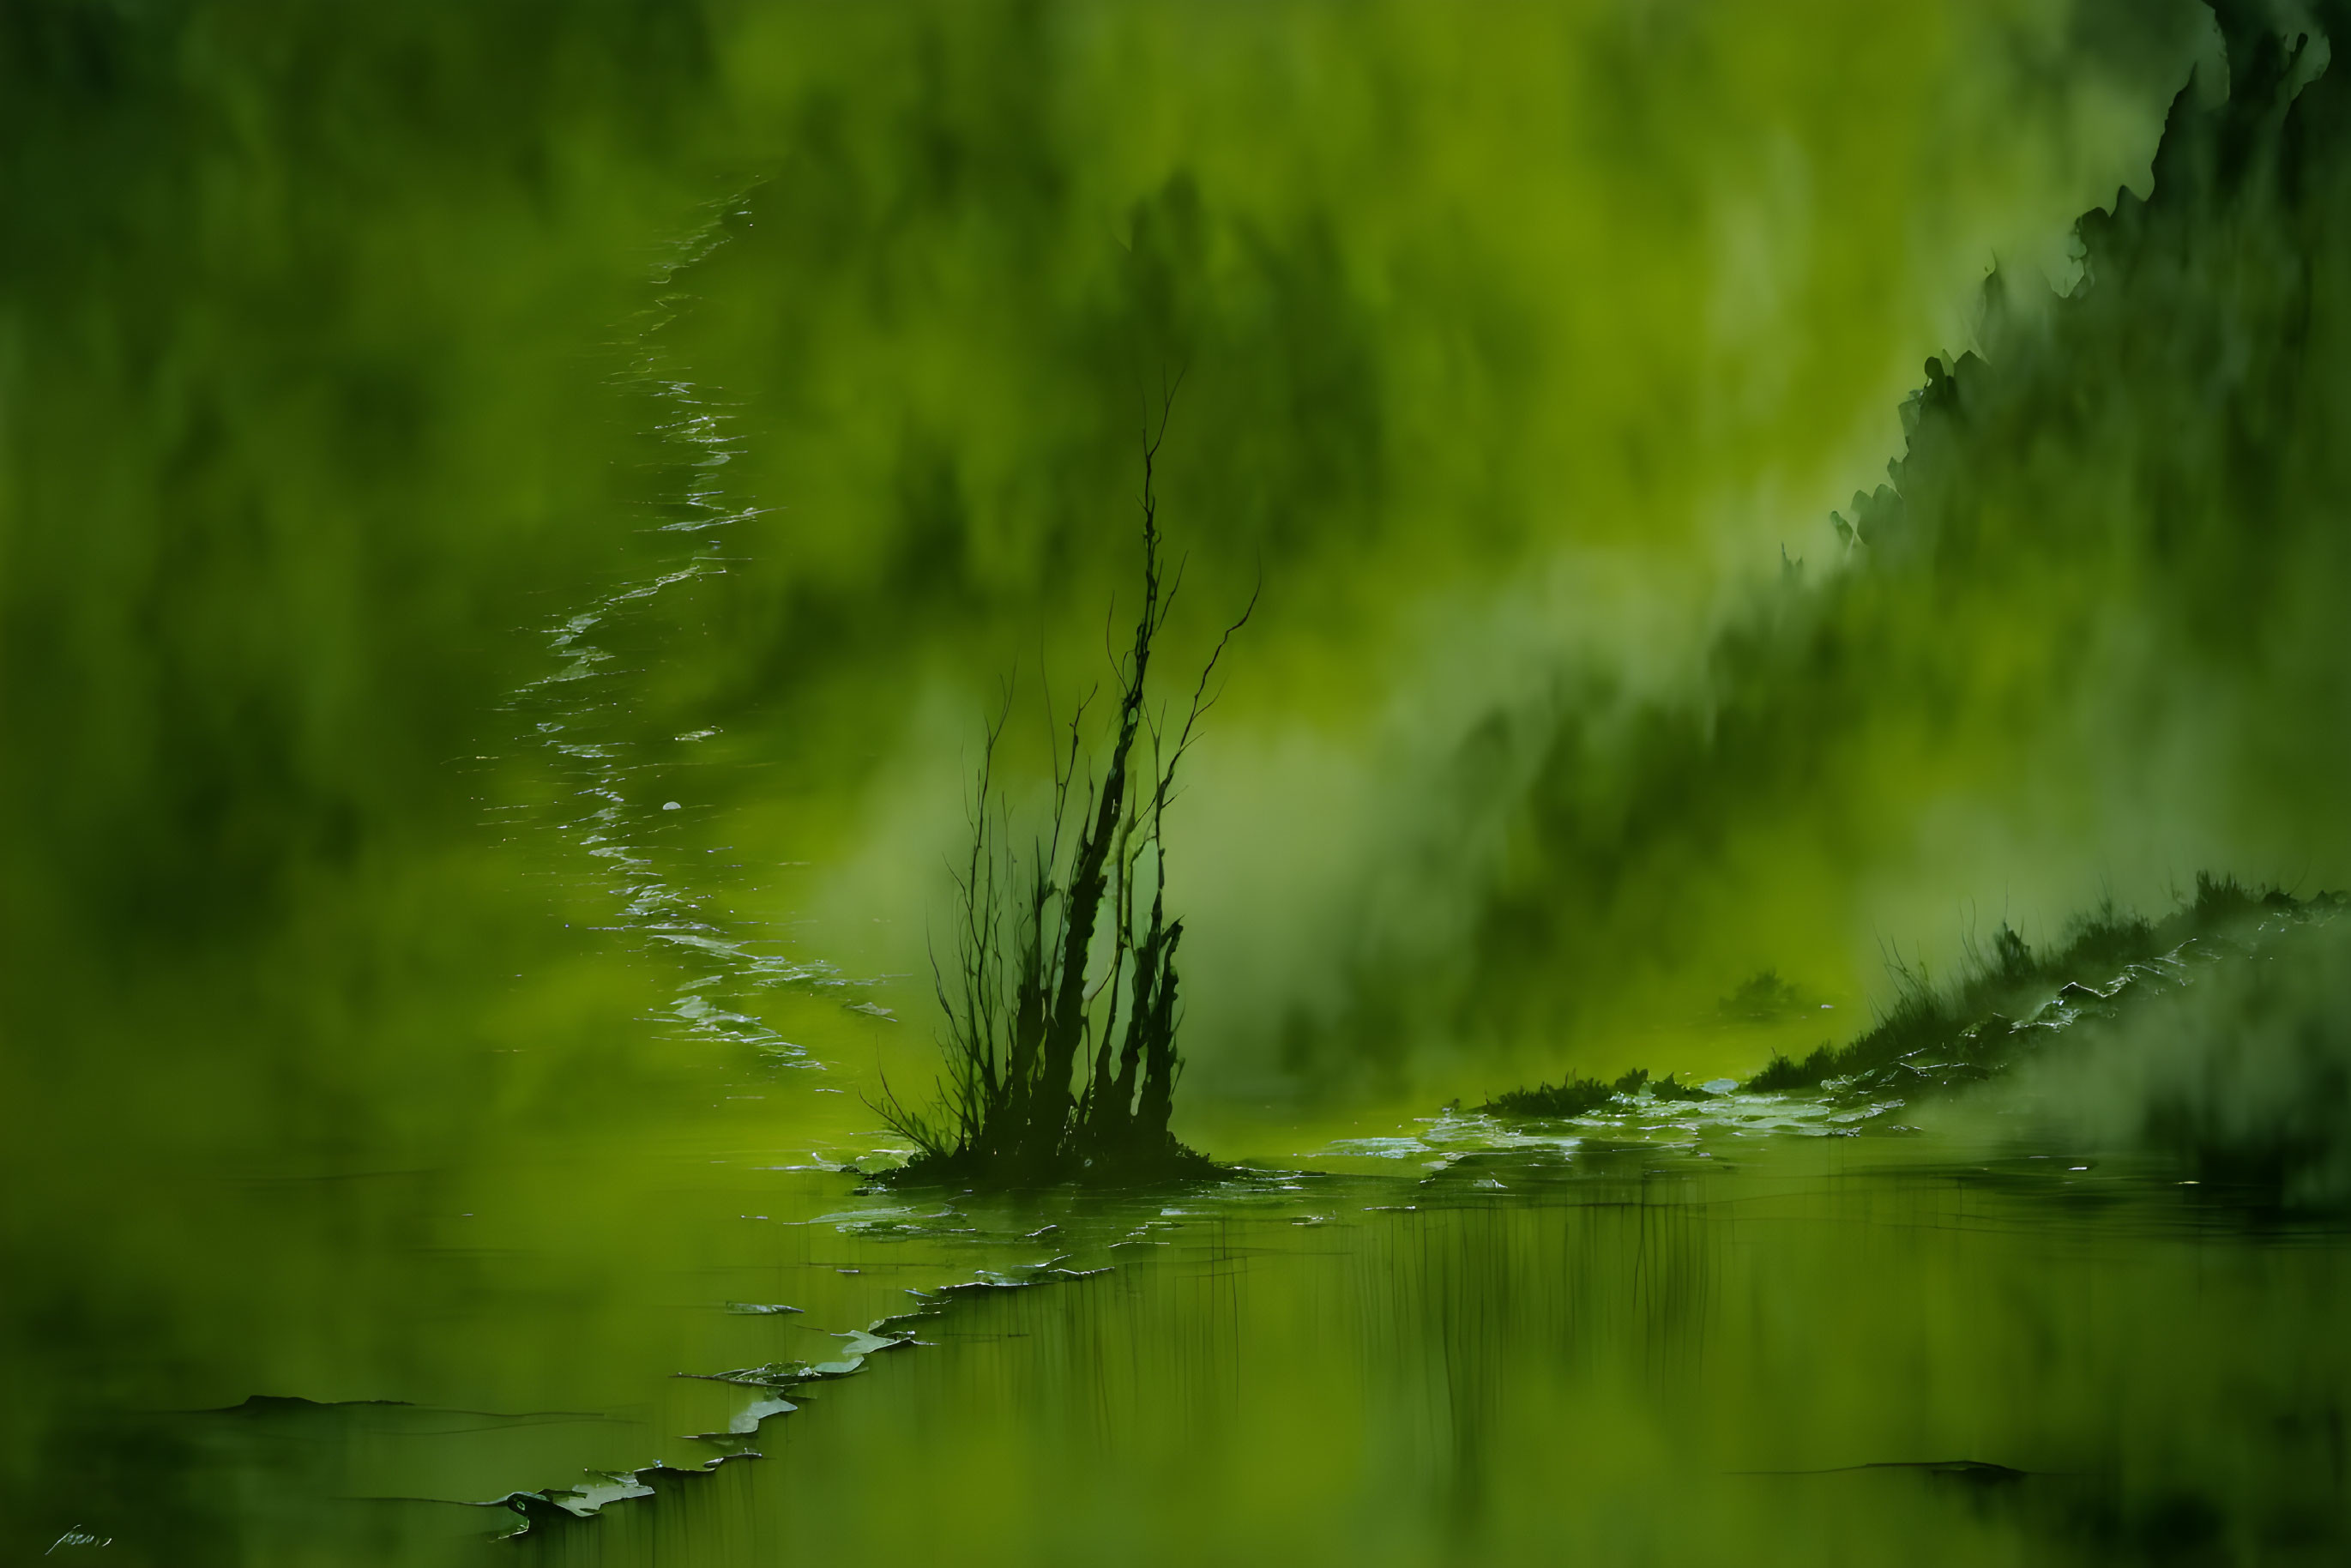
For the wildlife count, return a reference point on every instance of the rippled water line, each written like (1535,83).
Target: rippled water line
(727,970)
(1134,1220)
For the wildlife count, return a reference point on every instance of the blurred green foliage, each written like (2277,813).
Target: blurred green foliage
(307,321)
(308,318)
(1505,372)
(343,353)
(2088,633)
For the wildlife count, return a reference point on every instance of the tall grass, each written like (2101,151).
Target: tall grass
(1062,1060)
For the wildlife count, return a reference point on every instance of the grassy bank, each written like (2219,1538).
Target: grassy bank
(2008,1000)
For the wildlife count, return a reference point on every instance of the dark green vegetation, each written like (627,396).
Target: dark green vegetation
(2091,621)
(1570,1096)
(2122,519)
(2214,1037)
(2006,1004)
(1027,1010)
(1576,1096)
(2010,994)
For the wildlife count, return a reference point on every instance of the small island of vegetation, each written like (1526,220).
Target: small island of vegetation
(1062,1060)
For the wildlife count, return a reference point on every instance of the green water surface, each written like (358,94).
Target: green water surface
(1701,1346)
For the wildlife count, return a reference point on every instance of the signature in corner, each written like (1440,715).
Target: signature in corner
(77,1536)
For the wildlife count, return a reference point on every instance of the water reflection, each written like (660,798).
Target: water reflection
(1823,1351)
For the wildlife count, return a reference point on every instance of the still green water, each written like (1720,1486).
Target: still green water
(1705,1347)
(509,517)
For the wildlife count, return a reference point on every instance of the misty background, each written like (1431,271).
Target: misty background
(1524,366)
(348,360)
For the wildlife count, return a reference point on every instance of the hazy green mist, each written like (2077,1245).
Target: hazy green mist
(1512,383)
(1521,355)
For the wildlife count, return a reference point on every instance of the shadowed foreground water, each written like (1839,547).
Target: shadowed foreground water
(1834,1350)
